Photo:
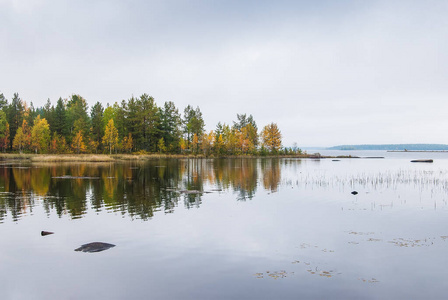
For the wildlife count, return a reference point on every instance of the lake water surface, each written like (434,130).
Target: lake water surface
(258,229)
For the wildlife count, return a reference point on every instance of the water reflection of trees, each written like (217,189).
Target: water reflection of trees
(271,174)
(238,174)
(136,189)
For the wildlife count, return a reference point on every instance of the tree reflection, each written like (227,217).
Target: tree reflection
(136,189)
(238,174)
(271,173)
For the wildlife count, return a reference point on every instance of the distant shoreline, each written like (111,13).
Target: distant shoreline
(394,147)
(420,151)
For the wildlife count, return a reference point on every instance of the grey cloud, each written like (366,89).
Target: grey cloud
(317,68)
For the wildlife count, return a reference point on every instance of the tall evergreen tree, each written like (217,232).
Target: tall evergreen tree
(121,115)
(3,102)
(60,119)
(49,114)
(170,121)
(15,114)
(77,116)
(4,131)
(148,119)
(132,123)
(193,122)
(96,117)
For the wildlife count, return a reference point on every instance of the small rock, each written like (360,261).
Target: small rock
(94,247)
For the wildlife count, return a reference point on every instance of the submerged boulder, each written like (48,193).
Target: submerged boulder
(94,247)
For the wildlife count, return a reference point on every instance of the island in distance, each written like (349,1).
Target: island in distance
(393,147)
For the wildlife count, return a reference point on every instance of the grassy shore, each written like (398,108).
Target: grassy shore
(115,157)
(82,157)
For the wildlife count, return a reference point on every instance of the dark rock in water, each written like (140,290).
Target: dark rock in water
(44,233)
(354,193)
(422,161)
(94,247)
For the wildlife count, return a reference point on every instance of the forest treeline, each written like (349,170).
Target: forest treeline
(136,125)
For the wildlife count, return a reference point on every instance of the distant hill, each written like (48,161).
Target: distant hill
(410,147)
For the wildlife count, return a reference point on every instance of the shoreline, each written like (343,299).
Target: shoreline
(141,157)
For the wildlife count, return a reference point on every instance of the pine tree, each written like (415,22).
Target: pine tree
(60,119)
(77,115)
(4,131)
(97,129)
(15,114)
(170,122)
(193,123)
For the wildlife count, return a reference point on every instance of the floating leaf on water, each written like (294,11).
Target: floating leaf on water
(373,280)
(322,273)
(361,233)
(274,274)
(374,240)
(400,242)
(325,250)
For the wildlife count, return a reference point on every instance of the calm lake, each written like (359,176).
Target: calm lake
(227,229)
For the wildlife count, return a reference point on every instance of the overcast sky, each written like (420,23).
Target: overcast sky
(327,72)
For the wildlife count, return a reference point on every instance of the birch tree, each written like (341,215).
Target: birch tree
(40,135)
(110,138)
